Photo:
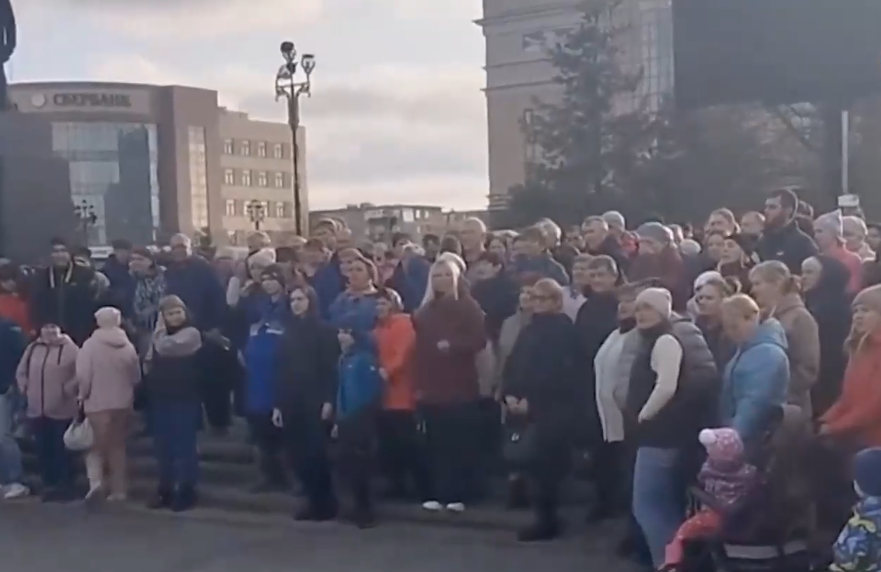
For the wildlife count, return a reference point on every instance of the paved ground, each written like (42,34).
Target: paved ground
(36,538)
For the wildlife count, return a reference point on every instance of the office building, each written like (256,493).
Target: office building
(148,161)
(518,71)
(380,222)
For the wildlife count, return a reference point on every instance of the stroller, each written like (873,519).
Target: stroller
(770,529)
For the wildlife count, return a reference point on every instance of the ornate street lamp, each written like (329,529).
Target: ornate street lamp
(256,212)
(289,86)
(85,212)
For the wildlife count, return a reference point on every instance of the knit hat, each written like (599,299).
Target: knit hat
(108,317)
(831,222)
(655,231)
(708,276)
(690,247)
(658,299)
(867,471)
(723,444)
(170,303)
(273,272)
(144,253)
(266,256)
(614,219)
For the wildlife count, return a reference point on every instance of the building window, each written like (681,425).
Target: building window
(531,148)
(229,177)
(198,176)
(279,210)
(230,208)
(246,148)
(278,151)
(261,148)
(228,147)
(262,179)
(246,178)
(279,180)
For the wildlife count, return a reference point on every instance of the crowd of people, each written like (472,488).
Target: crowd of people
(730,367)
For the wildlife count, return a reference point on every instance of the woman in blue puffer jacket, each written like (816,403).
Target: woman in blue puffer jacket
(353,315)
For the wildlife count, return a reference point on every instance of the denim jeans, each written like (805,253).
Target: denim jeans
(10,454)
(175,427)
(658,497)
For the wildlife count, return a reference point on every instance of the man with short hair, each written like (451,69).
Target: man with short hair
(115,268)
(617,224)
(431,246)
(599,240)
(535,262)
(782,239)
(322,264)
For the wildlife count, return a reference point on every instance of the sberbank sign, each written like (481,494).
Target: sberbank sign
(111,100)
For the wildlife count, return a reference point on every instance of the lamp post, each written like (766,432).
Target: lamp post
(257,213)
(86,214)
(288,86)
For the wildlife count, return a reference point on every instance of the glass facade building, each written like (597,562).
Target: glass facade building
(114,173)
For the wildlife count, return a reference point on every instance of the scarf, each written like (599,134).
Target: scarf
(148,291)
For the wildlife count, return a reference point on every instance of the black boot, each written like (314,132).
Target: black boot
(163,498)
(543,529)
(184,499)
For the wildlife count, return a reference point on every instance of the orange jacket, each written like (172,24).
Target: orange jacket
(857,413)
(15,309)
(395,338)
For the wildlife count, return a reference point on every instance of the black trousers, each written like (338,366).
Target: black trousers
(356,445)
(402,451)
(452,451)
(610,476)
(545,475)
(216,384)
(305,439)
(268,440)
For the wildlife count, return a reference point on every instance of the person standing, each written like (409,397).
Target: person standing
(449,335)
(304,390)
(659,258)
(781,238)
(107,370)
(599,240)
(46,377)
(829,234)
(65,294)
(173,391)
(12,346)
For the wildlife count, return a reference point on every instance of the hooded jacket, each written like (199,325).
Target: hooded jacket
(395,339)
(173,369)
(46,376)
(829,304)
(66,297)
(107,370)
(306,366)
(858,548)
(755,382)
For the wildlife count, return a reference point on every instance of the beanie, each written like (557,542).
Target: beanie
(722,444)
(658,299)
(263,257)
(108,317)
(831,222)
(655,231)
(170,303)
(690,247)
(705,277)
(867,471)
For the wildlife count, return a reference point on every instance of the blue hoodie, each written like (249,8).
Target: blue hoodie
(755,382)
(260,353)
(858,548)
(360,384)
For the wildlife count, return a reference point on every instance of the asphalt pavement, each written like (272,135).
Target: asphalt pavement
(41,538)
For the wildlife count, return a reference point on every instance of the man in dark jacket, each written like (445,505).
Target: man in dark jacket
(782,239)
(122,283)
(192,279)
(496,292)
(65,294)
(599,240)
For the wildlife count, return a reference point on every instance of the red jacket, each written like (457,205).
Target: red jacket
(857,413)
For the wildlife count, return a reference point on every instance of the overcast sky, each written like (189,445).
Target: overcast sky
(397,113)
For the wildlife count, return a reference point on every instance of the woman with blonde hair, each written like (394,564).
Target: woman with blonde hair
(539,389)
(449,334)
(777,293)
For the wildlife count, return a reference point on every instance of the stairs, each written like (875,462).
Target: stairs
(228,471)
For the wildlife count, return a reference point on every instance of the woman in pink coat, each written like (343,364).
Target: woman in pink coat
(107,369)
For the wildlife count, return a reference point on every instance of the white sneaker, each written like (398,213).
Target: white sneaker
(456,507)
(16,491)
(432,506)
(95,496)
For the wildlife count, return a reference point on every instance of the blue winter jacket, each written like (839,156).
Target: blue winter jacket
(13,342)
(858,548)
(360,384)
(357,314)
(260,354)
(410,280)
(122,283)
(195,282)
(544,266)
(755,383)
(328,282)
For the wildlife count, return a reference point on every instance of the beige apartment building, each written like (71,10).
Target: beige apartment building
(518,72)
(379,222)
(150,160)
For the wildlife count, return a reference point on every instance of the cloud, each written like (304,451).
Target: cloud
(387,133)
(193,19)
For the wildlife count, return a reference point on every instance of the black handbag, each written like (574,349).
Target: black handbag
(521,444)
